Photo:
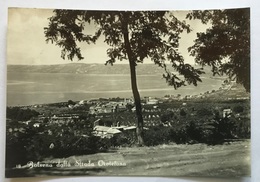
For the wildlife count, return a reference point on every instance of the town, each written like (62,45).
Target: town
(112,116)
(58,130)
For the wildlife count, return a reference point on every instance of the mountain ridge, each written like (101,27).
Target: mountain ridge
(84,68)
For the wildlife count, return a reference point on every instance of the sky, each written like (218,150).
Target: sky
(26,43)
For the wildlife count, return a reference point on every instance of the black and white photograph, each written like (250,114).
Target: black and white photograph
(162,93)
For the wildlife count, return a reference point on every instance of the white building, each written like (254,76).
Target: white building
(151,101)
(227,113)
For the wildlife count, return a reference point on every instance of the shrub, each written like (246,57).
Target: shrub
(242,128)
(66,145)
(238,109)
(167,116)
(182,133)
(19,114)
(204,112)
(70,102)
(179,134)
(194,132)
(123,140)
(217,130)
(156,135)
(16,152)
(55,141)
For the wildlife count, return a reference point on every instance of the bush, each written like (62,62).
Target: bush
(167,116)
(204,112)
(238,109)
(16,152)
(242,128)
(123,140)
(18,138)
(16,113)
(182,133)
(156,135)
(219,129)
(26,143)
(194,132)
(70,102)
(179,134)
(212,132)
(66,145)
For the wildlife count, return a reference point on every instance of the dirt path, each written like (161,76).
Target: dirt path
(227,160)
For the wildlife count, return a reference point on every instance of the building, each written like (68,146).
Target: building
(105,131)
(109,107)
(227,113)
(108,132)
(151,101)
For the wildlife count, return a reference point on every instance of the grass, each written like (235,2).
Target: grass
(228,160)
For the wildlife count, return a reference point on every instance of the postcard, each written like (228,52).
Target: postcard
(128,93)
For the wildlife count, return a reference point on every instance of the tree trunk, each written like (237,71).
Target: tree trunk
(132,64)
(139,125)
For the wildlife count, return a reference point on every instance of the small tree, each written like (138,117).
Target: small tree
(70,102)
(131,35)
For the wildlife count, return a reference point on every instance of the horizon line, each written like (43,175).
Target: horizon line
(87,64)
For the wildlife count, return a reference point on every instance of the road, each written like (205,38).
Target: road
(227,160)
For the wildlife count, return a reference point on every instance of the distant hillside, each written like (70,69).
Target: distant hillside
(82,68)
(78,68)
(228,91)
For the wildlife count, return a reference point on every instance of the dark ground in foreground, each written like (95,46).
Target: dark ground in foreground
(228,160)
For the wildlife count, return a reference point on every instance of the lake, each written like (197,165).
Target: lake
(38,88)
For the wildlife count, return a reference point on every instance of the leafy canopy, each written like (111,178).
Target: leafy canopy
(152,34)
(226,45)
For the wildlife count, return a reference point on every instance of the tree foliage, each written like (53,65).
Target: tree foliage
(152,34)
(225,46)
(134,36)
(19,114)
